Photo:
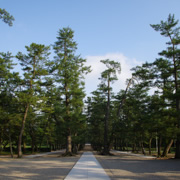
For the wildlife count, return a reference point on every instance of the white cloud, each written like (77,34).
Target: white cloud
(98,67)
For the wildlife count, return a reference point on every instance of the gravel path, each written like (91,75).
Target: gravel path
(128,167)
(40,168)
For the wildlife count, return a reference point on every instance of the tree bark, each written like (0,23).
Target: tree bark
(32,144)
(167,148)
(67,118)
(159,146)
(142,148)
(106,144)
(69,143)
(24,146)
(21,132)
(0,139)
(10,145)
(150,140)
(177,155)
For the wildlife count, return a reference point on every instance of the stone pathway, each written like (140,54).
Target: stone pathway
(87,168)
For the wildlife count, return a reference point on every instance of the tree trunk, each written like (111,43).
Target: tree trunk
(115,147)
(150,140)
(75,148)
(124,97)
(24,146)
(106,144)
(134,147)
(21,132)
(127,147)
(0,140)
(167,148)
(10,145)
(142,148)
(159,146)
(177,155)
(69,144)
(32,145)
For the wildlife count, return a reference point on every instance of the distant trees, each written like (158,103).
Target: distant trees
(96,110)
(143,119)
(8,101)
(170,30)
(8,83)
(100,105)
(163,74)
(45,106)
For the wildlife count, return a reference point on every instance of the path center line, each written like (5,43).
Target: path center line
(87,167)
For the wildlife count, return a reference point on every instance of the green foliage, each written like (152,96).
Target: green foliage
(112,68)
(69,71)
(96,106)
(9,119)
(167,28)
(31,95)
(6,17)
(100,109)
(171,78)
(46,104)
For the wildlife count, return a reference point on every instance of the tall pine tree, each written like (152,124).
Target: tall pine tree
(108,76)
(170,30)
(69,71)
(34,67)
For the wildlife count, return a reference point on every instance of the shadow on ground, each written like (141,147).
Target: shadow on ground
(48,167)
(123,166)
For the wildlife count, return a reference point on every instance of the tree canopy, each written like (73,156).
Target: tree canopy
(45,109)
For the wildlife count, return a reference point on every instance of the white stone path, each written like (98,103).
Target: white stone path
(87,168)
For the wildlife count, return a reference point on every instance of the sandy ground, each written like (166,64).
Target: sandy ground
(44,168)
(119,166)
(123,166)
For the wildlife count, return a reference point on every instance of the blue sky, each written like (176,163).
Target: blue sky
(114,29)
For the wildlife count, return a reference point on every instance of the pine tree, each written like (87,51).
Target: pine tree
(35,67)
(170,30)
(69,71)
(6,17)
(8,101)
(96,109)
(109,76)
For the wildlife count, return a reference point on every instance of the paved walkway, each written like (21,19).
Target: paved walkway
(87,168)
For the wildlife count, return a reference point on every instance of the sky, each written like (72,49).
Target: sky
(118,30)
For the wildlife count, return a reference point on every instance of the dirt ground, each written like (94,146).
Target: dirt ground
(45,168)
(118,167)
(123,166)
